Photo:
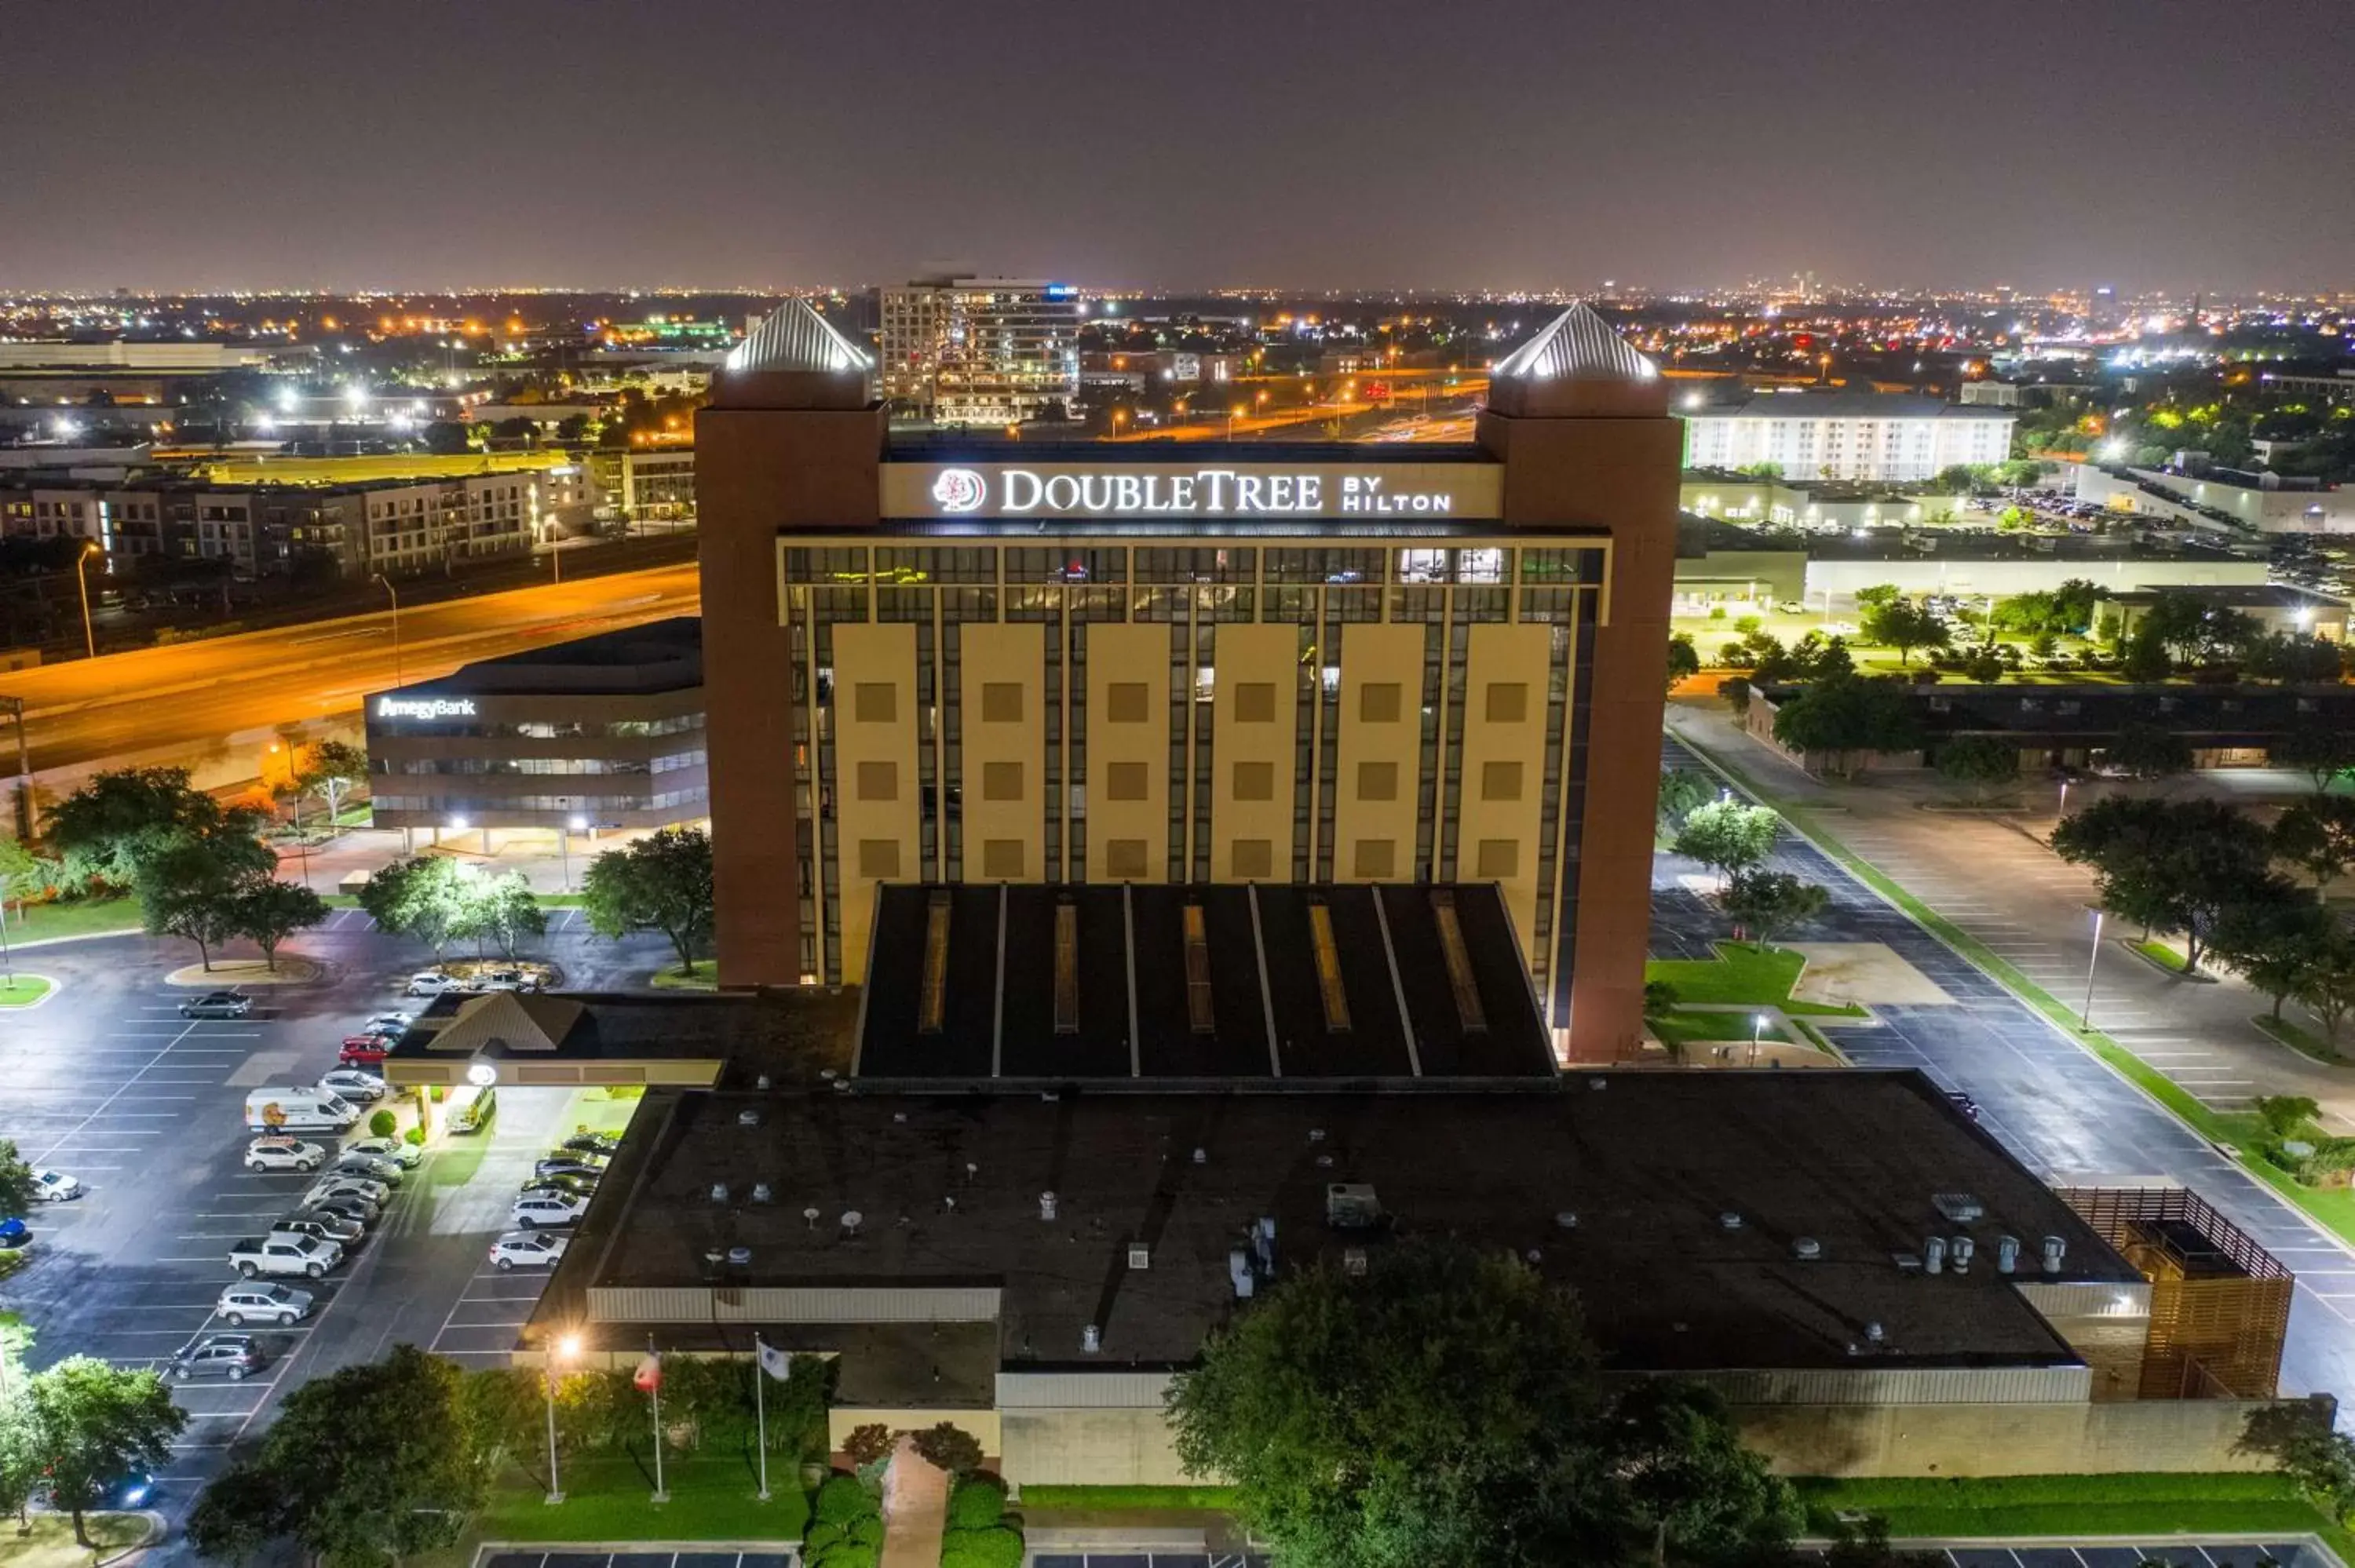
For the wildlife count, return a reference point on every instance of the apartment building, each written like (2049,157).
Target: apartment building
(1880,436)
(981,351)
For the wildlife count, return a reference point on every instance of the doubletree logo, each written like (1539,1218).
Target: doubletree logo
(959,490)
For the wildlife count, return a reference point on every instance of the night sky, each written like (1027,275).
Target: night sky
(1354,143)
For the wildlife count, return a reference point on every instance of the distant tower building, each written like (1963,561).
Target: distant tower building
(981,351)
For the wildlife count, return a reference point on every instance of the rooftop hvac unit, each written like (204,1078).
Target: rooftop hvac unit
(1238,1272)
(760,1193)
(1353,1261)
(1351,1205)
(748,1117)
(1958,1208)
(1806,1249)
(1140,1255)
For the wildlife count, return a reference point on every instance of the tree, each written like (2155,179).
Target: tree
(1903,625)
(1439,1407)
(1980,761)
(503,909)
(2304,1444)
(329,768)
(2288,657)
(950,1447)
(2174,865)
(368,1464)
(2286,1116)
(1659,999)
(1728,836)
(1684,659)
(2144,660)
(1877,596)
(92,1423)
(1766,902)
(662,882)
(20,1459)
(425,897)
(103,830)
(2322,755)
(2318,836)
(1683,790)
(266,912)
(1984,665)
(197,889)
(2147,753)
(17,1193)
(2327,983)
(2273,941)
(1679,1458)
(1841,718)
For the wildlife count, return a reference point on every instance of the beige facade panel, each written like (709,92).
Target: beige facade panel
(1376,803)
(1128,752)
(1002,670)
(876,728)
(1255,719)
(1507,672)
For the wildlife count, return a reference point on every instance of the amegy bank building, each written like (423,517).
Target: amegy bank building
(957,663)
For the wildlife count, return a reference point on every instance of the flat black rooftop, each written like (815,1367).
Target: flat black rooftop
(944,446)
(660,656)
(1614,1184)
(1266,1015)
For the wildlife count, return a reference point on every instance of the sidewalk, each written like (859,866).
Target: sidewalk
(372,849)
(1993,877)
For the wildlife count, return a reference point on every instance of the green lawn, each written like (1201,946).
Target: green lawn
(1127,1496)
(1683,1028)
(671,977)
(2334,1207)
(2305,1042)
(51,1544)
(609,1500)
(74,917)
(1741,973)
(2162,955)
(2139,1505)
(24,991)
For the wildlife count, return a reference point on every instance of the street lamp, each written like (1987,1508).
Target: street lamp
(380,578)
(565,1349)
(2086,1013)
(88,639)
(1757,1025)
(564,845)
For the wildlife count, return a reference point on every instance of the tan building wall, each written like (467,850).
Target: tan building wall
(2101,1438)
(1255,719)
(1496,826)
(1091,1448)
(877,808)
(1002,707)
(1379,793)
(1128,752)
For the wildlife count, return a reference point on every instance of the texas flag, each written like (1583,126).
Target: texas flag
(649,1373)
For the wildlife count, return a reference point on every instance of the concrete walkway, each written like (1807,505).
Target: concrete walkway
(915,1508)
(1992,876)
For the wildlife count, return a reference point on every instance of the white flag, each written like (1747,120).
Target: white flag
(777,1363)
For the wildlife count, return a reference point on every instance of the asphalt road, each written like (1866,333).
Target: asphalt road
(2054,1105)
(106,1081)
(195,694)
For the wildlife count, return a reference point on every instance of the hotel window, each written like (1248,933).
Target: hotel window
(1001,859)
(1254,860)
(1375,859)
(1124,858)
(1377,780)
(874,702)
(1001,781)
(1125,703)
(1255,702)
(1001,701)
(1124,781)
(1499,860)
(1500,782)
(1508,702)
(1377,702)
(1255,781)
(879,781)
(879,859)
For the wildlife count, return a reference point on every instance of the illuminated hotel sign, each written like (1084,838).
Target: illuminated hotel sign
(426,707)
(1429,491)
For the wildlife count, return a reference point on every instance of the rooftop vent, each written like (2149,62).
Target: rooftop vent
(932,996)
(1067,968)
(809,1218)
(2055,1249)
(739,1256)
(851,1220)
(1933,1255)
(1958,1208)
(1239,1273)
(760,1193)
(1566,1219)
(1045,1205)
(720,1191)
(1201,1018)
(1331,993)
(748,1117)
(1092,1338)
(1960,1250)
(1458,960)
(1353,1262)
(1351,1205)
(1729,1220)
(1201,1155)
(1140,1255)
(2007,1254)
(1806,1249)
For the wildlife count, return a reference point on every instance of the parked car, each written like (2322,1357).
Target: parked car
(352,1162)
(527,1249)
(280,1254)
(603,1143)
(434,982)
(1964,1103)
(15,1233)
(349,1206)
(343,1184)
(55,1186)
(567,1165)
(344,1233)
(362,1050)
(399,1150)
(595,1158)
(217,1004)
(281,1153)
(353,1084)
(561,1186)
(391,1025)
(534,1210)
(508,980)
(233,1356)
(247,1302)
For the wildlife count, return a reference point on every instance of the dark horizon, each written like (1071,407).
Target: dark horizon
(1504,145)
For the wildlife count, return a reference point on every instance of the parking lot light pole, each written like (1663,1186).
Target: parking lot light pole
(563,1350)
(394,595)
(82,581)
(564,841)
(2086,1013)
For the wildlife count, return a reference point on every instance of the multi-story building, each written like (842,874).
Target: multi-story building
(981,351)
(656,485)
(602,732)
(1254,664)
(1882,435)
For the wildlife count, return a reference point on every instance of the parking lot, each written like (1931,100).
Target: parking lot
(2120,1554)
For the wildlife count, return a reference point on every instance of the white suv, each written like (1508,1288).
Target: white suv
(434,982)
(279,1304)
(525,1249)
(536,1209)
(276,1153)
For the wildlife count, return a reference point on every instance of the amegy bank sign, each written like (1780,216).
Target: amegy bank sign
(1432,490)
(426,707)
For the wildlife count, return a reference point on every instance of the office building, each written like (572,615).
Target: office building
(981,351)
(1880,436)
(602,732)
(1230,665)
(648,485)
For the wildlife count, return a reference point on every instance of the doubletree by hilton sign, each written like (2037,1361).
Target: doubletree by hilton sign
(1274,491)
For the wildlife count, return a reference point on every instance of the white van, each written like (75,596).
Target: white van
(298,1109)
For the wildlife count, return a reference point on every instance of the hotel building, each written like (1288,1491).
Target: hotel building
(945,662)
(1890,437)
(981,351)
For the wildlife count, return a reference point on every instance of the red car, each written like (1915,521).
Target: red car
(363,1051)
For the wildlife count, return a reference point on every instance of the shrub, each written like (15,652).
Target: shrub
(979,1501)
(995,1547)
(868,1444)
(868,1531)
(842,1499)
(950,1447)
(848,1555)
(415,1135)
(383,1124)
(822,1534)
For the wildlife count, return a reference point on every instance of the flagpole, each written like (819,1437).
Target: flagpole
(660,1494)
(761,1406)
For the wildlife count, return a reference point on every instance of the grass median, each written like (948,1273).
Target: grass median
(611,1499)
(2140,1506)
(1745,976)
(50,1542)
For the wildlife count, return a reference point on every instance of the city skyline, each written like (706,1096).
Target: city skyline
(1510,147)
